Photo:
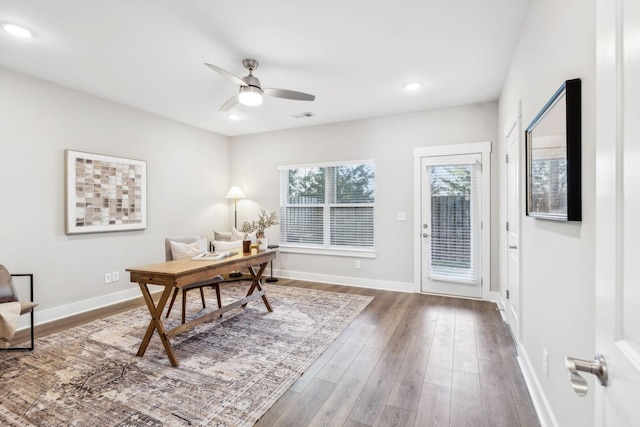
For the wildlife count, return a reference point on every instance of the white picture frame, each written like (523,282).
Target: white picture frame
(104,193)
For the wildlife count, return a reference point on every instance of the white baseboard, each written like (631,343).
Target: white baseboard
(62,311)
(540,402)
(383,285)
(501,303)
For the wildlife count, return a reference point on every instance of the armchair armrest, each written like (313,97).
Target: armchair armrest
(30,276)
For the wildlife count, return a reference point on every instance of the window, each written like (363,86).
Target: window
(328,206)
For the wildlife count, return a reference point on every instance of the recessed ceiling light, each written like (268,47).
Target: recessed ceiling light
(412,86)
(17,30)
(233,116)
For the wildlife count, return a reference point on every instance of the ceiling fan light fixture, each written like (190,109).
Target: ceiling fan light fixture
(251,91)
(250,95)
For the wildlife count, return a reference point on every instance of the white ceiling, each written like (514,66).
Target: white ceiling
(354,55)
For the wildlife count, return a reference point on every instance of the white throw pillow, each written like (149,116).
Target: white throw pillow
(237,235)
(188,250)
(222,236)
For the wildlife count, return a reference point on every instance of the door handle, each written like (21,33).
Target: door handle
(598,367)
(425,234)
(513,247)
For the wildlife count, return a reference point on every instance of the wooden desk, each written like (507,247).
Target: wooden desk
(176,274)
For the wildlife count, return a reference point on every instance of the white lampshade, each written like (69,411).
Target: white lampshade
(235,193)
(250,95)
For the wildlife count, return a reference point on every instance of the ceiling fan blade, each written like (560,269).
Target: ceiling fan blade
(289,94)
(226,74)
(232,102)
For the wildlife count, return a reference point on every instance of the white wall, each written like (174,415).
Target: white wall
(556,44)
(188,175)
(389,141)
(187,178)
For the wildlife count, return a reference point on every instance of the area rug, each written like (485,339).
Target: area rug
(231,371)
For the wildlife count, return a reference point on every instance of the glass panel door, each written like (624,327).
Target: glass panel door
(451,225)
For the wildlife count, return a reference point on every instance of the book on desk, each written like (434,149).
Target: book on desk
(213,256)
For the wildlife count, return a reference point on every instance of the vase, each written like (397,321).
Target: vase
(263,244)
(246,246)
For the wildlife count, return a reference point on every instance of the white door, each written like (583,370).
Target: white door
(513,226)
(451,235)
(618,211)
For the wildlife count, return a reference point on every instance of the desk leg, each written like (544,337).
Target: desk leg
(256,284)
(156,322)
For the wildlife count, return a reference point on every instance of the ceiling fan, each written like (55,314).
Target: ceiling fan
(250,90)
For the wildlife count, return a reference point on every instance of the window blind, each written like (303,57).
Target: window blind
(328,206)
(455,222)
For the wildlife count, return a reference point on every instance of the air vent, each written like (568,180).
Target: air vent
(303,115)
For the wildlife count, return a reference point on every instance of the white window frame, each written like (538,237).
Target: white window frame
(348,251)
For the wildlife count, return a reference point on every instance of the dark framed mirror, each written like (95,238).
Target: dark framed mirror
(553,157)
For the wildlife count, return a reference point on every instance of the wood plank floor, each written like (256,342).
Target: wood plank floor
(411,360)
(406,360)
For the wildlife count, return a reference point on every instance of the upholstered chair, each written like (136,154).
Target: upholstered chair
(11,308)
(187,247)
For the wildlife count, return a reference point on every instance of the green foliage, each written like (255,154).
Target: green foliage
(352,184)
(451,181)
(306,184)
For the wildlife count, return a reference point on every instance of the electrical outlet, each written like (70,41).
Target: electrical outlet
(115,276)
(545,361)
(357,264)
(108,278)
(401,216)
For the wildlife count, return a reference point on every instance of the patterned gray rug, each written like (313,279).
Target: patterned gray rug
(230,372)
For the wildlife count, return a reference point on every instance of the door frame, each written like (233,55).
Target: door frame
(482,148)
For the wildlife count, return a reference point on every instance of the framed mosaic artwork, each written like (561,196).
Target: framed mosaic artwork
(104,193)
